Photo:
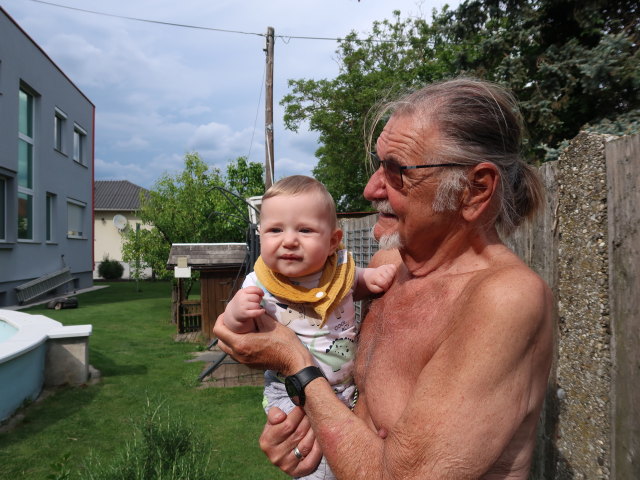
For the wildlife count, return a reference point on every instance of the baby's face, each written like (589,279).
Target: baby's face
(296,234)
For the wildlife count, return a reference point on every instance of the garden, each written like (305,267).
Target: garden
(147,417)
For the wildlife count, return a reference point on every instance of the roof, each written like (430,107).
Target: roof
(117,195)
(203,255)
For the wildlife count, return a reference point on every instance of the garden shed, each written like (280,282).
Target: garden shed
(222,268)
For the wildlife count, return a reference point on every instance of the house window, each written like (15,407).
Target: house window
(59,120)
(79,144)
(75,219)
(3,209)
(50,216)
(25,216)
(25,164)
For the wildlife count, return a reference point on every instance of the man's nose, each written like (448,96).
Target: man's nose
(376,188)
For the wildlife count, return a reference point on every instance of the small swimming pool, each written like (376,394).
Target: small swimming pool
(6,331)
(27,344)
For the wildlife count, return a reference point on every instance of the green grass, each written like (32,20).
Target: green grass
(132,346)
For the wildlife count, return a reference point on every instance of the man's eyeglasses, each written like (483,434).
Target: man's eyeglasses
(393,170)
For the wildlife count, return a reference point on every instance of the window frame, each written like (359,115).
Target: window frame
(3,209)
(59,122)
(78,235)
(50,202)
(79,144)
(26,192)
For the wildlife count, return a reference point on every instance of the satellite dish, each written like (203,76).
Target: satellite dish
(120,221)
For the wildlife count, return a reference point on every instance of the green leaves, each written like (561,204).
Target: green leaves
(191,207)
(569,63)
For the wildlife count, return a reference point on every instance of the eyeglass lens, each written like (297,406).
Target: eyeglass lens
(392,171)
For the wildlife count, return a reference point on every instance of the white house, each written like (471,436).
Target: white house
(116,205)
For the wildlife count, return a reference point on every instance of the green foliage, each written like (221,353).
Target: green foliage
(569,63)
(164,447)
(110,269)
(191,207)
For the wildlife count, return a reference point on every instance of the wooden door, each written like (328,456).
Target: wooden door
(217,287)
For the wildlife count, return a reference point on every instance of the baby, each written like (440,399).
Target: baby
(306,281)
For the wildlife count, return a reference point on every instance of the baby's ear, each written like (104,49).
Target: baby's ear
(336,240)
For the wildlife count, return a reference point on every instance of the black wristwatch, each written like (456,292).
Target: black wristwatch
(295,383)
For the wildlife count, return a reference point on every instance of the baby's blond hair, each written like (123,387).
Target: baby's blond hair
(299,184)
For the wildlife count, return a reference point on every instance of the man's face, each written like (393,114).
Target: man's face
(296,234)
(404,213)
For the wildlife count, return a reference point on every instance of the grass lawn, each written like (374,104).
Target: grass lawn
(132,346)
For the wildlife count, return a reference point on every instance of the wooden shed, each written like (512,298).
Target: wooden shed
(222,270)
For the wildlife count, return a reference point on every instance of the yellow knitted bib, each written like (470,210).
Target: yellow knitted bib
(335,282)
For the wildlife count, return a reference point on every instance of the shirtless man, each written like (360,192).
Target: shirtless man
(453,360)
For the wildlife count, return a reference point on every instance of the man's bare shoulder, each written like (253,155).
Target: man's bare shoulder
(511,293)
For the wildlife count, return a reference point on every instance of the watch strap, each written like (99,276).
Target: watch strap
(300,380)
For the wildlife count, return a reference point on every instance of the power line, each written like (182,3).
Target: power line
(285,38)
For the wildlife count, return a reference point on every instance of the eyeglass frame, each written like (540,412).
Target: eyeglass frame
(378,161)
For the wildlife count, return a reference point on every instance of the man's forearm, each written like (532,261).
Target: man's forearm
(352,449)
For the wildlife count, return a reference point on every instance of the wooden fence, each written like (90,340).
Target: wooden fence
(586,245)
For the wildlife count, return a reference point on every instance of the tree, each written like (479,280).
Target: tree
(393,58)
(191,207)
(569,62)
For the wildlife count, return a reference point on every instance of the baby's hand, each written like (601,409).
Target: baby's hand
(242,309)
(379,279)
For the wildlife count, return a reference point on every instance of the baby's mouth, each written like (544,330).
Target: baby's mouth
(290,257)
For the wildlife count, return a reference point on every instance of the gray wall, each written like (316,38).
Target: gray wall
(23,62)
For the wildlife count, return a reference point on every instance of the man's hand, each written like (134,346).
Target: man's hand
(282,433)
(272,347)
(379,279)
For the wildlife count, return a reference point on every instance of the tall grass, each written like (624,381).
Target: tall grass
(164,447)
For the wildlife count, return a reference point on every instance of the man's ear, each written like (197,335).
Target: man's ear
(336,238)
(483,184)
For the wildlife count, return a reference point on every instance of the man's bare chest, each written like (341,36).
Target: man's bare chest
(401,333)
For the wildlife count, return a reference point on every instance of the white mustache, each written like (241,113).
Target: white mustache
(383,206)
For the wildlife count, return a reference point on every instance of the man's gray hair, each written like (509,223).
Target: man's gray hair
(477,121)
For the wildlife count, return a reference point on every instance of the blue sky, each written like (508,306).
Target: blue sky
(162,91)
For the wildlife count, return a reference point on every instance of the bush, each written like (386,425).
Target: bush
(110,269)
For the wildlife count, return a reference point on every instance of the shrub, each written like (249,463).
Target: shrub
(110,269)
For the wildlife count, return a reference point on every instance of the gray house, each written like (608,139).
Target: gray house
(46,169)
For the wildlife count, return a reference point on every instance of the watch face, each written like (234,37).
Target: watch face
(293,390)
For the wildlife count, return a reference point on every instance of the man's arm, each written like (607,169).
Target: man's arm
(471,398)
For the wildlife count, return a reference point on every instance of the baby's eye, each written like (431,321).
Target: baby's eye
(305,230)
(274,230)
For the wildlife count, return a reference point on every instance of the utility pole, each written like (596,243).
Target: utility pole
(268,114)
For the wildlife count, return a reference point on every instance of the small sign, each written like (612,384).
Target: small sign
(182,272)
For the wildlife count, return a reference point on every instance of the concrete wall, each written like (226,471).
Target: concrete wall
(23,63)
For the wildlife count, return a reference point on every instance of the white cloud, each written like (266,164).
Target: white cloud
(132,143)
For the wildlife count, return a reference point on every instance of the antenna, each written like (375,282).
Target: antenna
(120,221)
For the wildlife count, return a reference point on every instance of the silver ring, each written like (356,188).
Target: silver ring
(298,454)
